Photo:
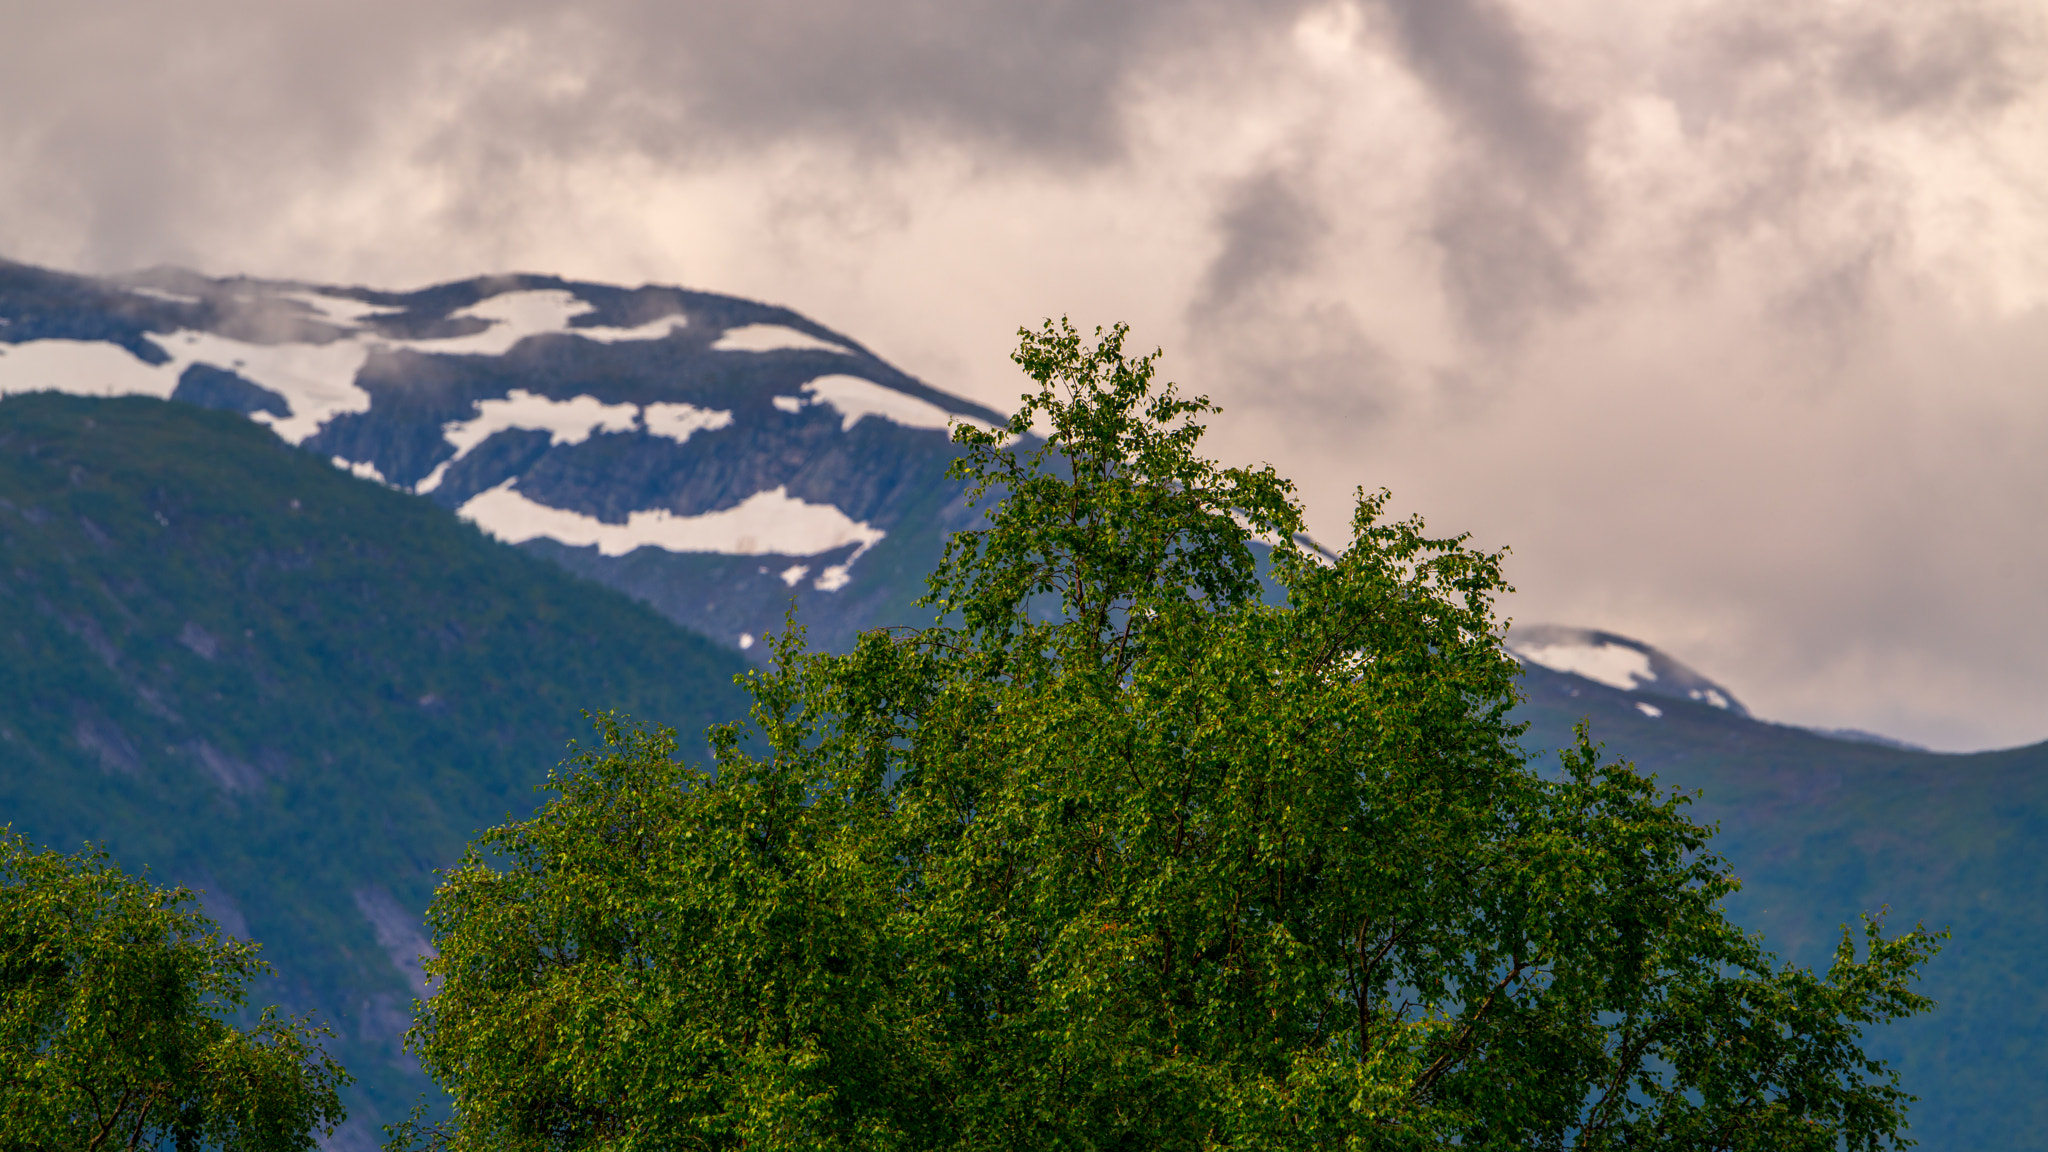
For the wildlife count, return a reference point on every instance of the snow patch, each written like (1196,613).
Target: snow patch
(837,576)
(339,309)
(81,368)
(360,468)
(746,641)
(160,294)
(1708,695)
(513,316)
(316,380)
(1650,710)
(772,338)
(569,421)
(790,404)
(652,330)
(767,523)
(854,398)
(1614,665)
(679,422)
(793,573)
(432,480)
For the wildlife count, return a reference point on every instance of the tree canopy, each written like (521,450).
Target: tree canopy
(1119,854)
(117,1001)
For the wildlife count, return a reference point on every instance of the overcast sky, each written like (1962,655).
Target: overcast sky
(1730,317)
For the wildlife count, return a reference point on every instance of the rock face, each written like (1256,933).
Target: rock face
(720,459)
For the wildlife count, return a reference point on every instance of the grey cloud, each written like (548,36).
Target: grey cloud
(1310,366)
(1827,305)
(1786,98)
(1511,206)
(1799,64)
(1478,62)
(1506,259)
(1512,209)
(1270,229)
(127,120)
(1967,61)
(1251,325)
(1042,78)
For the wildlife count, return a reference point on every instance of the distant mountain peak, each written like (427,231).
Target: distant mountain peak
(1618,662)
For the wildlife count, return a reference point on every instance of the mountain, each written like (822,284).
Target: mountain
(716,458)
(295,690)
(401,680)
(1822,829)
(1618,662)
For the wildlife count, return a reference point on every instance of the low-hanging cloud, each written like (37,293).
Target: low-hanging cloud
(1727,315)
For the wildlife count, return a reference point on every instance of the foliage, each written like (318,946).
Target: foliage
(1818,828)
(1169,867)
(115,1030)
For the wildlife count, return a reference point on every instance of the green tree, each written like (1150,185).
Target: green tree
(115,999)
(1120,855)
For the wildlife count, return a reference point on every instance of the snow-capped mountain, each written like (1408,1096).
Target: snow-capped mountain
(715,457)
(1619,663)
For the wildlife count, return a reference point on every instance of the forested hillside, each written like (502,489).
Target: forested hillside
(298,691)
(1821,830)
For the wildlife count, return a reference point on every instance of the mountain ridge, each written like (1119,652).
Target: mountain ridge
(590,421)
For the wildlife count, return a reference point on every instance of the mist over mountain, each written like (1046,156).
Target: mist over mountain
(258,650)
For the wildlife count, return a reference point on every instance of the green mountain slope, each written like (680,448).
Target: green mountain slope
(1822,830)
(298,691)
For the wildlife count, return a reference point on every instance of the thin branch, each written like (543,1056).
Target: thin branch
(1444,1063)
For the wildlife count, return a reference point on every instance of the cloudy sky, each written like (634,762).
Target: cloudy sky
(1729,316)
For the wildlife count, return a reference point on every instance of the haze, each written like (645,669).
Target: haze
(1731,318)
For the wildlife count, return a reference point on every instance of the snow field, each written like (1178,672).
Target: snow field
(317,382)
(679,422)
(1611,664)
(772,338)
(81,368)
(514,316)
(767,523)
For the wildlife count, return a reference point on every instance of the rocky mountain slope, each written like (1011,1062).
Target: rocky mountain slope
(717,458)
